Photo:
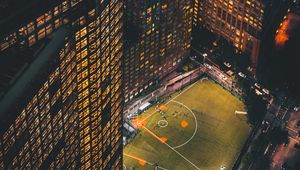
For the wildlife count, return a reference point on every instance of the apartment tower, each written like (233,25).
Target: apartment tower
(158,38)
(61,86)
(238,21)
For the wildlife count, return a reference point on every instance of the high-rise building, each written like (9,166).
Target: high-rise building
(158,39)
(61,94)
(238,21)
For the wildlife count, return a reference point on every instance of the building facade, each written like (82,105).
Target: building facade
(61,84)
(158,38)
(238,21)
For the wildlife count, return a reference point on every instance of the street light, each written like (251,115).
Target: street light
(204,55)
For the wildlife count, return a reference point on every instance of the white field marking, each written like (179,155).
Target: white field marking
(182,156)
(148,116)
(204,78)
(149,163)
(169,102)
(196,128)
(162,121)
(240,112)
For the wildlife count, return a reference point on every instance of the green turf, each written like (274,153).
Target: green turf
(219,136)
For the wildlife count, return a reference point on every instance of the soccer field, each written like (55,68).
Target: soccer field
(198,129)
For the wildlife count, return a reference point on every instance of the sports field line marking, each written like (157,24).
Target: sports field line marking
(163,126)
(169,101)
(196,128)
(140,159)
(204,78)
(154,135)
(182,156)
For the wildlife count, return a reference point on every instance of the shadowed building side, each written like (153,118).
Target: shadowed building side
(61,84)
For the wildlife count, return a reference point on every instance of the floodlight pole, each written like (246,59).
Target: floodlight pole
(204,57)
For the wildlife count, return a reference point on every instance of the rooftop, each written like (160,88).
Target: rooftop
(21,68)
(14,61)
(12,12)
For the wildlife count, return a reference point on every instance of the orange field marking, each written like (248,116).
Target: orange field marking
(163,107)
(164,139)
(138,123)
(184,124)
(161,139)
(142,162)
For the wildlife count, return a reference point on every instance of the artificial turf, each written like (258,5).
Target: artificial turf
(218,139)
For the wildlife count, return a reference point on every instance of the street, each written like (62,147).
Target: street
(280,111)
(289,153)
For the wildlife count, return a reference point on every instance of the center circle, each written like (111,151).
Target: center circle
(196,125)
(182,124)
(162,123)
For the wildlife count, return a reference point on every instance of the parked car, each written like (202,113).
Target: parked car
(266,126)
(207,65)
(227,64)
(266,91)
(257,85)
(242,75)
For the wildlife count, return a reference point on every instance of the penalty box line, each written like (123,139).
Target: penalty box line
(169,101)
(143,160)
(182,156)
(164,142)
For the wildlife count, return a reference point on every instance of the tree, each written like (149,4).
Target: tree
(278,136)
(256,106)
(226,52)
(263,163)
(286,166)
(242,61)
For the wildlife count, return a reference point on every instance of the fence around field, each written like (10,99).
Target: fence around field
(181,81)
(167,86)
